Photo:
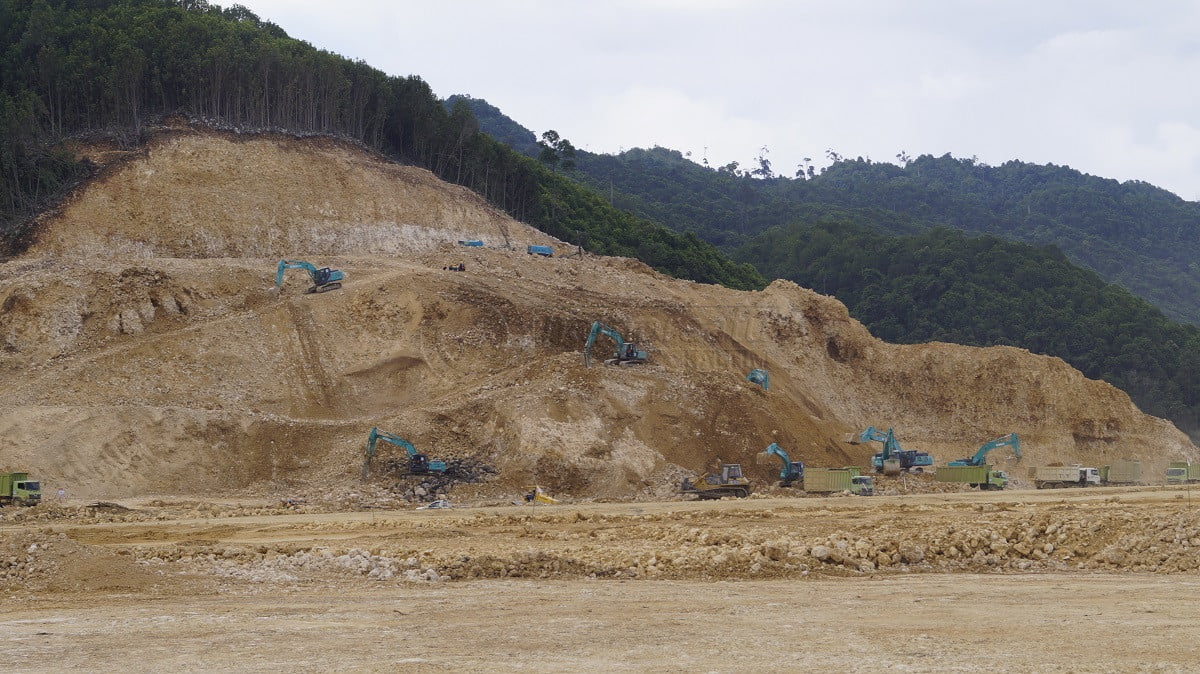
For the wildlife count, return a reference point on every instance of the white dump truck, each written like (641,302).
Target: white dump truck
(1054,477)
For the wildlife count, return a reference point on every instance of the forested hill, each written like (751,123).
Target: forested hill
(1139,236)
(115,67)
(879,237)
(943,285)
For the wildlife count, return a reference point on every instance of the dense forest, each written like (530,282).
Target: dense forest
(943,285)
(115,67)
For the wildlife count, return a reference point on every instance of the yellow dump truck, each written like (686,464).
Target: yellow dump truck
(18,488)
(830,480)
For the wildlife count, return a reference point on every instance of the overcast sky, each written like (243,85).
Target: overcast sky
(1108,88)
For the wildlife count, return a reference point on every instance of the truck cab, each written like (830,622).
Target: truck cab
(862,485)
(28,492)
(18,488)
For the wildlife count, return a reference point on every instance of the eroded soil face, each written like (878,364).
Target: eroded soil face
(150,362)
(146,349)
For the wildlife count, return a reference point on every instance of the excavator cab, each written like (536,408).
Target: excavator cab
(418,464)
(323,279)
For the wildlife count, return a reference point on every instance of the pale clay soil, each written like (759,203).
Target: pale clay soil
(208,430)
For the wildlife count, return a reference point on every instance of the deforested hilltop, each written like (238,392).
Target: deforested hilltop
(189,194)
(148,352)
(117,69)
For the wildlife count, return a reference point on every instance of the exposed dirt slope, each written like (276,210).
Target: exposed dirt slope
(147,352)
(204,195)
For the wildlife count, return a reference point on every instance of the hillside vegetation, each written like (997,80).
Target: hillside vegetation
(942,285)
(875,236)
(1140,236)
(116,66)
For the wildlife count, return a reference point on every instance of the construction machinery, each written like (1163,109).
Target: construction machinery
(1121,473)
(1182,472)
(893,459)
(981,477)
(19,489)
(418,463)
(832,480)
(760,377)
(626,354)
(729,482)
(544,251)
(1054,477)
(323,279)
(1010,440)
(791,470)
(537,495)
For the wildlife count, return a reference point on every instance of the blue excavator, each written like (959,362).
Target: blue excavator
(893,459)
(1010,440)
(418,463)
(761,377)
(627,352)
(792,471)
(323,279)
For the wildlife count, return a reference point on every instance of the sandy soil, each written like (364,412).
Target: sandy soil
(148,360)
(663,586)
(147,351)
(972,623)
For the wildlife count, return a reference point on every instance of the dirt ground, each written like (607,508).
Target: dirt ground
(971,623)
(1012,581)
(209,429)
(146,349)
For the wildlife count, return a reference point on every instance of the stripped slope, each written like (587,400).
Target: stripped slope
(149,352)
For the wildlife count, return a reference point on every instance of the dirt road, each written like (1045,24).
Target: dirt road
(1069,580)
(1055,622)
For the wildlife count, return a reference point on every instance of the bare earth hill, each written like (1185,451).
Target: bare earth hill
(146,351)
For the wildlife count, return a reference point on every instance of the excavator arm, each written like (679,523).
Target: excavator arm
(418,463)
(890,445)
(293,264)
(626,352)
(322,279)
(1010,440)
(791,470)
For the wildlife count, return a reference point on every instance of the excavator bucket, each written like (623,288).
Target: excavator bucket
(891,467)
(765,458)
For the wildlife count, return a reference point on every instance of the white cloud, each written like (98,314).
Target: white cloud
(1100,85)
